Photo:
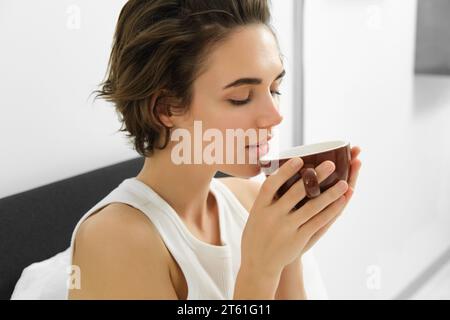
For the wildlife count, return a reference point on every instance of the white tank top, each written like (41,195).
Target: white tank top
(210,271)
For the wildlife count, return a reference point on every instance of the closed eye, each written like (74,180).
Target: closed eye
(248,100)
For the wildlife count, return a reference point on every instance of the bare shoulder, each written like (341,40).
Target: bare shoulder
(245,190)
(120,255)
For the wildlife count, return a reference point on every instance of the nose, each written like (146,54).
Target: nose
(270,114)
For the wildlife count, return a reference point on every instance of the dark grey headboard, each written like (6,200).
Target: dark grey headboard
(37,224)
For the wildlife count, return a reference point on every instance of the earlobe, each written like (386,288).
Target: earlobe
(161,109)
(166,120)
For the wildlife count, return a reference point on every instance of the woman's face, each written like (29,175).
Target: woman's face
(250,52)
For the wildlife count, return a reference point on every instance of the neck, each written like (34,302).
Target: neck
(184,187)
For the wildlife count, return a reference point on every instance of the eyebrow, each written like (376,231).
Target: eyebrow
(254,81)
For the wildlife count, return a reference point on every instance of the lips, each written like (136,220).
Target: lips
(256,145)
(260,149)
(259,144)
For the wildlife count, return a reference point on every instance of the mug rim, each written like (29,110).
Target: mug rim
(305,150)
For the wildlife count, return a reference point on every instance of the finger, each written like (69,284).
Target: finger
(316,205)
(352,184)
(278,178)
(355,167)
(320,220)
(355,152)
(355,162)
(312,241)
(297,191)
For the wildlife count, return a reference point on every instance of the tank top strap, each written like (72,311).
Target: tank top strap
(205,266)
(235,206)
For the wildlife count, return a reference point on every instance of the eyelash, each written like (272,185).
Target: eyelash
(244,102)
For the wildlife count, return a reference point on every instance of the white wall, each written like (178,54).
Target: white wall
(51,129)
(359,87)
(283,23)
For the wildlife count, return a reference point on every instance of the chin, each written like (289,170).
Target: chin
(241,170)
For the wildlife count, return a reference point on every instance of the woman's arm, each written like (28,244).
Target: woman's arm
(121,256)
(291,285)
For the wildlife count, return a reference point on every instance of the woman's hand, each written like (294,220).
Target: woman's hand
(274,235)
(355,166)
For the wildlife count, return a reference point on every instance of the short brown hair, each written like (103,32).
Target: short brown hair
(159,49)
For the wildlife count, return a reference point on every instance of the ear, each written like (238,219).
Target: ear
(166,120)
(161,107)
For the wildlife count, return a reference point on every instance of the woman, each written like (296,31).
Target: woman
(174,231)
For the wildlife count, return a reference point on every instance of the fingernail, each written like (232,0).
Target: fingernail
(296,162)
(342,185)
(330,166)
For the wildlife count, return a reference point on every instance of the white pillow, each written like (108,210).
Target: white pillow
(44,280)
